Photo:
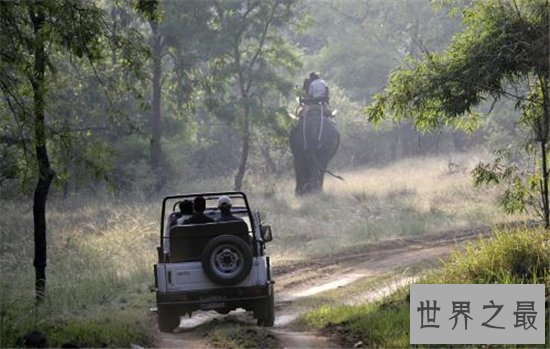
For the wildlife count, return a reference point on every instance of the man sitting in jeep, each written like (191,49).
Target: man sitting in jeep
(224,204)
(199,205)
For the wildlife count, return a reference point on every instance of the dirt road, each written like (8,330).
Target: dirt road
(303,280)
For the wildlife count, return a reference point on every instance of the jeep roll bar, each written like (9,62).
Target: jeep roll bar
(231,194)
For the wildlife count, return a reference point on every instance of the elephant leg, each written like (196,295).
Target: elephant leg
(300,176)
(322,158)
(323,164)
(301,171)
(316,180)
(317,165)
(298,161)
(312,174)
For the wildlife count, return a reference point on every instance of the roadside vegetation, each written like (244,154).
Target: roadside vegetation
(102,248)
(100,274)
(509,256)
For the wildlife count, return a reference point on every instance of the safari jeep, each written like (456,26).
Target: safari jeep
(217,266)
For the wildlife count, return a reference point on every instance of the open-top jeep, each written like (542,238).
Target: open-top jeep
(218,266)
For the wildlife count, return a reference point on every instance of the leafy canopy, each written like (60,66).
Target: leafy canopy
(503,43)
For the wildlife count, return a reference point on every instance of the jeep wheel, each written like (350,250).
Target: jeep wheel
(227,260)
(167,320)
(265,312)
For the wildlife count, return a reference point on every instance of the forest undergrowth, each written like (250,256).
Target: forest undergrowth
(102,248)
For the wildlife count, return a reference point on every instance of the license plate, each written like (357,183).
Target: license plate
(207,306)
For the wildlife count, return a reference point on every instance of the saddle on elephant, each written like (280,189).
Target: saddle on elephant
(316,109)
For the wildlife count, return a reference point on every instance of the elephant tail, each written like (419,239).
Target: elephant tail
(335,175)
(325,170)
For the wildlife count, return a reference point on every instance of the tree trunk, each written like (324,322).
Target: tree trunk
(544,189)
(269,162)
(544,143)
(155,116)
(239,176)
(45,173)
(395,143)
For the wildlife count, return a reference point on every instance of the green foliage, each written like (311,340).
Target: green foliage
(375,325)
(116,327)
(249,72)
(504,45)
(356,44)
(253,57)
(92,62)
(500,45)
(509,256)
(512,256)
(522,183)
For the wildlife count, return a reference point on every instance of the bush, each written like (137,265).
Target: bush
(516,256)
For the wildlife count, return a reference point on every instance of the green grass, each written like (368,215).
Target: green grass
(98,276)
(520,255)
(101,248)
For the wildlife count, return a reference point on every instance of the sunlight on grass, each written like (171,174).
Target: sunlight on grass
(413,197)
(98,276)
(509,256)
(101,250)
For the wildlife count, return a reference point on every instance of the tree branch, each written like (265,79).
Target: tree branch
(260,46)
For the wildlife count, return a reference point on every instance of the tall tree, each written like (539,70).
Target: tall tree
(179,37)
(357,43)
(32,33)
(250,65)
(502,52)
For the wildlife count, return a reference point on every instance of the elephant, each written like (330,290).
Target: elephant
(313,141)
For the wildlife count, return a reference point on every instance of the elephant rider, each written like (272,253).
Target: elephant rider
(316,95)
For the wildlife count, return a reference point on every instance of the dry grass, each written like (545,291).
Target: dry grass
(100,259)
(101,250)
(410,198)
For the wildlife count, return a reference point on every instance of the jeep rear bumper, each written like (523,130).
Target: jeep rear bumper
(222,299)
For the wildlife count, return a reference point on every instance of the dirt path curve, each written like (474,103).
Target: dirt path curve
(306,279)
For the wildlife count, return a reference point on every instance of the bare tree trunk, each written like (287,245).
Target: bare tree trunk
(395,143)
(45,173)
(544,143)
(271,165)
(155,116)
(544,186)
(239,176)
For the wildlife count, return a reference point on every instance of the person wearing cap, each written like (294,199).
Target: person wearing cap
(199,205)
(224,204)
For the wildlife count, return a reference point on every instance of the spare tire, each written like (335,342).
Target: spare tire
(227,260)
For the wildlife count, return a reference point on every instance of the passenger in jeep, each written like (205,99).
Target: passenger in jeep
(224,204)
(199,205)
(186,210)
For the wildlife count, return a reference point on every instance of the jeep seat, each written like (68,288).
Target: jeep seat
(188,241)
